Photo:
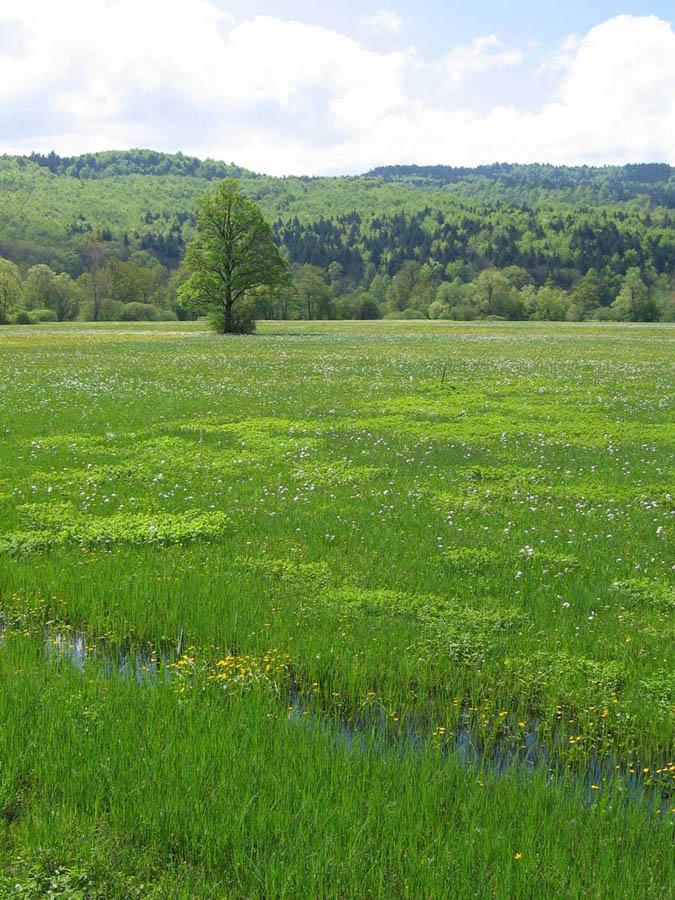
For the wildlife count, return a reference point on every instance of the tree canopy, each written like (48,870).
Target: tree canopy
(396,239)
(232,258)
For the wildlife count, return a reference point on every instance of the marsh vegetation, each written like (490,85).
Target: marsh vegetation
(369,567)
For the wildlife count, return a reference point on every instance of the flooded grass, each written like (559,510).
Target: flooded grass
(353,628)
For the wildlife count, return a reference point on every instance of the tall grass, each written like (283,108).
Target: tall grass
(239,799)
(311,519)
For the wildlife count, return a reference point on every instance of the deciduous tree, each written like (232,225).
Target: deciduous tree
(633,304)
(10,293)
(232,258)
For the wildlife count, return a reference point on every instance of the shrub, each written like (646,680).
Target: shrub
(668,307)
(139,312)
(464,312)
(243,318)
(43,315)
(369,309)
(23,318)
(347,308)
(108,310)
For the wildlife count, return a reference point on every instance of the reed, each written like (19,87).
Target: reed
(347,630)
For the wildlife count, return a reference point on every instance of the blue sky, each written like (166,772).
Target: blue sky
(296,87)
(435,26)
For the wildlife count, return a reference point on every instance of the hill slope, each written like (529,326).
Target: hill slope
(555,222)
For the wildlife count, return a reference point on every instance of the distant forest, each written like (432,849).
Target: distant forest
(507,241)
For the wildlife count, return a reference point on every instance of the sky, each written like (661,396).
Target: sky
(300,88)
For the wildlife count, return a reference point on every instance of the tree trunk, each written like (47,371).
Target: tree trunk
(229,303)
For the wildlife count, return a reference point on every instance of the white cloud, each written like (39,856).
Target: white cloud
(281,96)
(384,21)
(483,54)
(562,59)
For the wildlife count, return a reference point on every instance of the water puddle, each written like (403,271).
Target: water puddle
(137,664)
(515,749)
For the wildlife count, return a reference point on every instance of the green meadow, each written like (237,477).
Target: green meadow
(339,610)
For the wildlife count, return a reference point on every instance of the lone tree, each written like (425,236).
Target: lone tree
(232,258)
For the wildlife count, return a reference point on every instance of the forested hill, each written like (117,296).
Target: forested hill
(135,162)
(567,183)
(589,184)
(555,224)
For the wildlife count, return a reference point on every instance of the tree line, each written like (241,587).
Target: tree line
(103,236)
(141,289)
(111,287)
(419,291)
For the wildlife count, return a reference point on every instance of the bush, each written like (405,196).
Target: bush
(23,318)
(139,312)
(43,315)
(460,313)
(668,309)
(108,310)
(243,318)
(369,309)
(347,308)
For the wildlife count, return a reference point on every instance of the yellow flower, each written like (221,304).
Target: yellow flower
(518,856)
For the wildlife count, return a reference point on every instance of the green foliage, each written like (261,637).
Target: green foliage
(38,286)
(111,163)
(139,312)
(312,293)
(368,308)
(43,877)
(354,586)
(231,258)
(105,309)
(53,528)
(633,303)
(57,883)
(242,319)
(654,180)
(44,289)
(43,315)
(537,225)
(10,293)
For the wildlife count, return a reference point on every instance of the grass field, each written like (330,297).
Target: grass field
(339,610)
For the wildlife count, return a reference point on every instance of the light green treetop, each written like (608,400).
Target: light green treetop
(232,257)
